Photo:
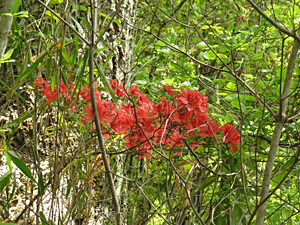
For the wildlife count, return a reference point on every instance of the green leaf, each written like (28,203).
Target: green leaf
(210,55)
(54,2)
(160,43)
(22,118)
(149,187)
(15,6)
(250,98)
(138,46)
(224,48)
(121,40)
(30,69)
(208,182)
(201,44)
(257,56)
(117,22)
(47,12)
(187,167)
(108,59)
(80,73)
(231,85)
(288,164)
(217,218)
(81,7)
(140,82)
(231,97)
(6,155)
(53,81)
(43,218)
(236,214)
(237,105)
(41,184)
(7,55)
(21,165)
(4,180)
(105,82)
(4,84)
(251,165)
(14,185)
(66,56)
(80,30)
(68,188)
(221,116)
(278,178)
(87,23)
(21,14)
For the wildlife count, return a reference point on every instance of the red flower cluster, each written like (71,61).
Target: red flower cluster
(231,136)
(51,95)
(166,123)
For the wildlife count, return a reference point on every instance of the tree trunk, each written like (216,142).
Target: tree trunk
(121,62)
(276,135)
(118,67)
(5,21)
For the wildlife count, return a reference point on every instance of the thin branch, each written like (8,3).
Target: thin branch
(172,165)
(97,123)
(172,47)
(273,22)
(261,208)
(277,186)
(65,22)
(152,205)
(293,116)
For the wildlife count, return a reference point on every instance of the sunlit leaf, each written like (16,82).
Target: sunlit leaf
(21,165)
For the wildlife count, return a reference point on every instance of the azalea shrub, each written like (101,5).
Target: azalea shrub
(169,123)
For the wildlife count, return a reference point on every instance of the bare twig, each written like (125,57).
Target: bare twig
(264,201)
(65,22)
(253,92)
(261,208)
(273,22)
(97,122)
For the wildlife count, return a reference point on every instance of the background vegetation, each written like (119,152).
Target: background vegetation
(242,55)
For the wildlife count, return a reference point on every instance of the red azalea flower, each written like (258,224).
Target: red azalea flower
(105,111)
(147,125)
(85,93)
(63,89)
(118,88)
(39,82)
(143,100)
(210,130)
(134,90)
(193,99)
(231,136)
(88,115)
(47,92)
(123,121)
(182,116)
(144,151)
(162,109)
(169,89)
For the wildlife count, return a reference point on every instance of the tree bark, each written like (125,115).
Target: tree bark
(276,135)
(119,66)
(119,58)
(5,21)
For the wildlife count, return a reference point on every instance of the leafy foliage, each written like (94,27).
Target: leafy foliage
(189,80)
